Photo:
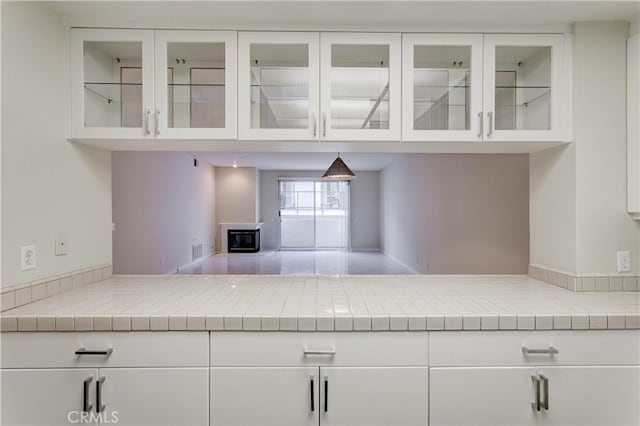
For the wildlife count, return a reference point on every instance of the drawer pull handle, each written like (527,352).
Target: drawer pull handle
(545,391)
(329,352)
(326,394)
(550,351)
(312,386)
(104,352)
(536,392)
(86,405)
(99,405)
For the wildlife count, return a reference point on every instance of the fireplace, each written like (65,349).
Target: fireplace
(243,240)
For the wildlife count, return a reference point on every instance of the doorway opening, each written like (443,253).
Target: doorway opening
(314,214)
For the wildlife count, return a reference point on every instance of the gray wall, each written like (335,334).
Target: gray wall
(365,221)
(457,213)
(161,203)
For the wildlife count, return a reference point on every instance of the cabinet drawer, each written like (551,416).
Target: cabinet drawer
(339,349)
(485,348)
(135,349)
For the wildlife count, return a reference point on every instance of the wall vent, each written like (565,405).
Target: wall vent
(196,251)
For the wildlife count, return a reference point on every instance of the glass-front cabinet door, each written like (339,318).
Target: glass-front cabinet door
(111,83)
(278,84)
(525,89)
(442,87)
(360,81)
(195,80)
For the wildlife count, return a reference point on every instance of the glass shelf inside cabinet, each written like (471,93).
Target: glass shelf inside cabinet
(282,95)
(113,104)
(522,107)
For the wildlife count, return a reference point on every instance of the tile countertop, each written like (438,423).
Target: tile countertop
(325,303)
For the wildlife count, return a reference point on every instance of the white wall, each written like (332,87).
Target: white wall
(236,196)
(578,193)
(161,205)
(365,221)
(49,185)
(457,213)
(603,225)
(552,210)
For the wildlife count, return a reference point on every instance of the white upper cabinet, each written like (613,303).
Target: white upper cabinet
(442,87)
(524,87)
(360,80)
(278,86)
(195,85)
(309,86)
(111,83)
(145,84)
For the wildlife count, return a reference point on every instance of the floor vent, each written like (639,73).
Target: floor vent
(196,251)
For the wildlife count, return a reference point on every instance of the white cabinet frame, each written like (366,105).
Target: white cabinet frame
(394,41)
(245,40)
(409,41)
(162,38)
(559,81)
(76,72)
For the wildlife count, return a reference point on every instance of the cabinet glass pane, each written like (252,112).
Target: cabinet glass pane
(112,84)
(196,85)
(441,87)
(279,86)
(360,86)
(523,88)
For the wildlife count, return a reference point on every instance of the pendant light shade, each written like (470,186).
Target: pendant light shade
(338,170)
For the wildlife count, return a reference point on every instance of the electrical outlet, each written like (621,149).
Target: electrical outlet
(28,258)
(62,245)
(624,261)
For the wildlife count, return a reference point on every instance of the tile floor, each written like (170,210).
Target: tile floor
(298,262)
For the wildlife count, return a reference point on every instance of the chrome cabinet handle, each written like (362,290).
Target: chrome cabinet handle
(147,112)
(315,124)
(312,387)
(536,392)
(490,124)
(326,394)
(86,405)
(99,405)
(550,351)
(324,125)
(103,352)
(481,125)
(545,391)
(155,123)
(329,352)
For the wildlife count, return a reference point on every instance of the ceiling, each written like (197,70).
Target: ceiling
(296,160)
(422,15)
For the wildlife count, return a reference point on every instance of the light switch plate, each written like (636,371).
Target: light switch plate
(27,258)
(62,244)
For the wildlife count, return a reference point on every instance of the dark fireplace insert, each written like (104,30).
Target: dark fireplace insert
(243,240)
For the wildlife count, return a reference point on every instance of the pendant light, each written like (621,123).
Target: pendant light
(338,170)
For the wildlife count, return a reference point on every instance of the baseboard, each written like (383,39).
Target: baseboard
(614,281)
(23,294)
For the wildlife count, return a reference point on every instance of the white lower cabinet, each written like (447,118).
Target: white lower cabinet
(481,396)
(46,396)
(602,396)
(361,396)
(264,396)
(335,395)
(154,396)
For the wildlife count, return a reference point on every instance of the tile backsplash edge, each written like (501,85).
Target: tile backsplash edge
(23,294)
(615,281)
